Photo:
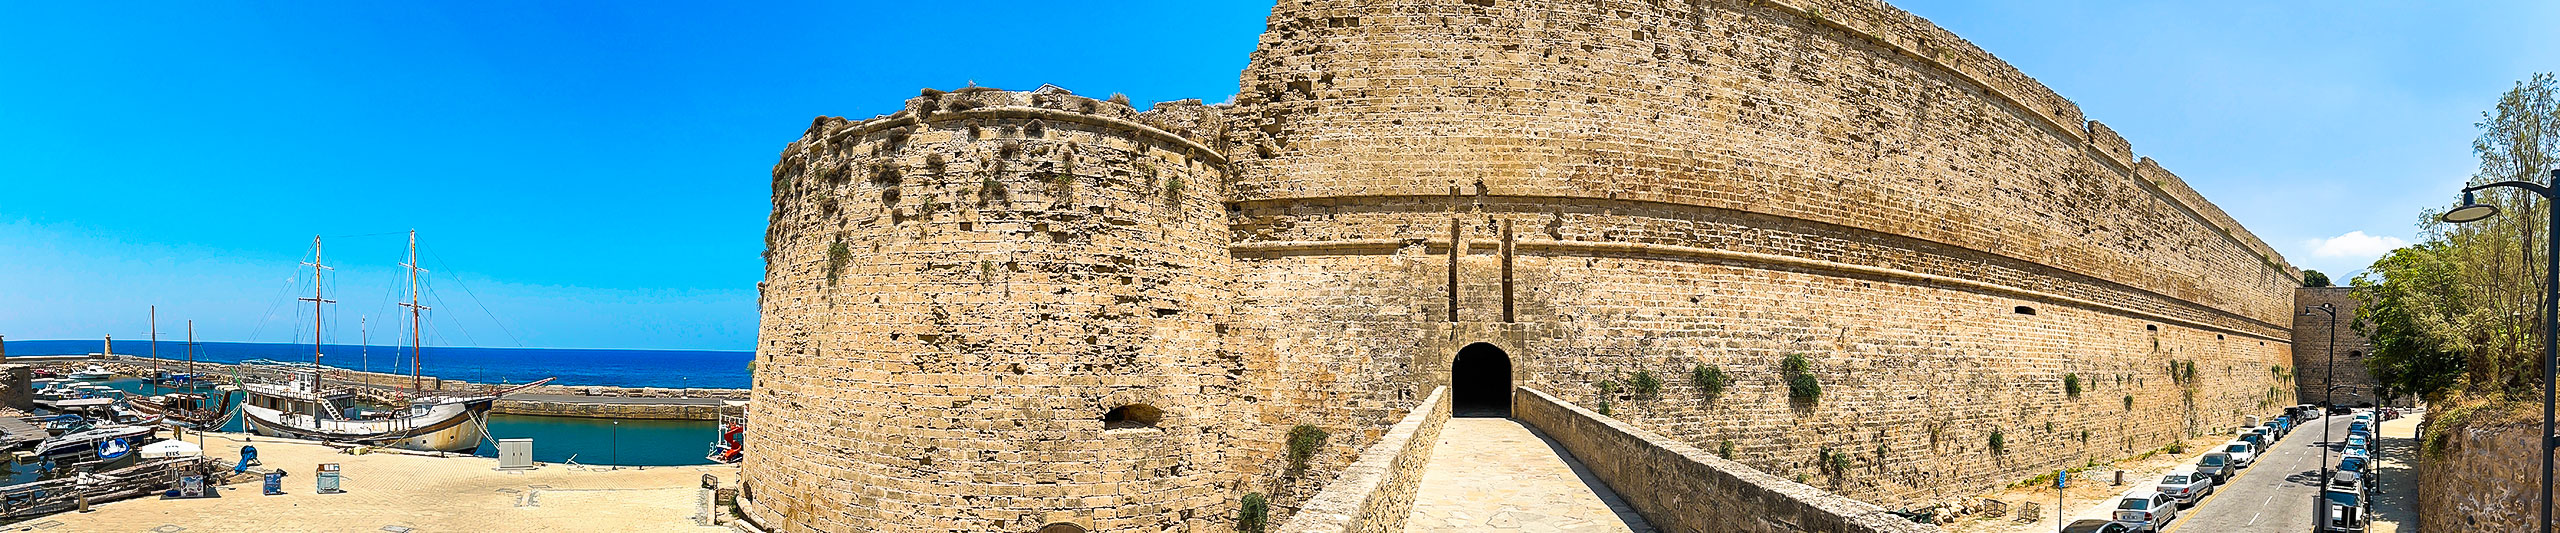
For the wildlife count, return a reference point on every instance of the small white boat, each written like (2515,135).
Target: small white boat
(93,373)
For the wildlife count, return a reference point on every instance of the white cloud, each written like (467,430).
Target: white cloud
(2354,245)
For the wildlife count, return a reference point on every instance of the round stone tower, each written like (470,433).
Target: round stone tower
(994,311)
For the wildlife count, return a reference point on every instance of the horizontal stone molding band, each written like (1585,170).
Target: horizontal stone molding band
(1702,217)
(1375,493)
(1679,487)
(1195,149)
(1692,253)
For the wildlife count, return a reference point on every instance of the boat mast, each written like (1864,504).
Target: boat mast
(415,337)
(315,300)
(155,336)
(191,351)
(364,351)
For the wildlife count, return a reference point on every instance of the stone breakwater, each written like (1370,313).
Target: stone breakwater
(587,401)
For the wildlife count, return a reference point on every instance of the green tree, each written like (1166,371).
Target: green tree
(2313,278)
(2415,314)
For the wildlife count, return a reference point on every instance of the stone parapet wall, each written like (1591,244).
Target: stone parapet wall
(2478,471)
(1375,494)
(1678,487)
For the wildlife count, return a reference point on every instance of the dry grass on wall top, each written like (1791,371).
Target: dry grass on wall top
(1303,441)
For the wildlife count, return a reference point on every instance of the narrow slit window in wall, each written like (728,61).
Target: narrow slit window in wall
(2024,310)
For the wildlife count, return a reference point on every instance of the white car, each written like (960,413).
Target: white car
(2146,510)
(2242,453)
(2187,485)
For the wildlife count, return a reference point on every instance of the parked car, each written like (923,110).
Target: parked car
(2358,442)
(2095,526)
(2146,510)
(2354,466)
(2218,465)
(2242,453)
(2187,485)
(2257,440)
(2343,505)
(2335,410)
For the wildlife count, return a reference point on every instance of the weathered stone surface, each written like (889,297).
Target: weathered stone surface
(1596,188)
(2478,470)
(1678,487)
(2317,356)
(1376,492)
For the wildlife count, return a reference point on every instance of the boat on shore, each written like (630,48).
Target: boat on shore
(303,405)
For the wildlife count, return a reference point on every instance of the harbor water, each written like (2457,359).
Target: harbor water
(587,441)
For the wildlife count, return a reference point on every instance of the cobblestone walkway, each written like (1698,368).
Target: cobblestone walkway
(1496,474)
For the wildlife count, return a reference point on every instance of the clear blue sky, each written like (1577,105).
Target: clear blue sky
(595,174)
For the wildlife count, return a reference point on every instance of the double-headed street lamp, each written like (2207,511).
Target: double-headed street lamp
(2472,210)
(2327,398)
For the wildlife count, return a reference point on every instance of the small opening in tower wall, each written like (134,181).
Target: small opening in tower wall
(1061,527)
(1132,416)
(2024,310)
(2151,327)
(2351,354)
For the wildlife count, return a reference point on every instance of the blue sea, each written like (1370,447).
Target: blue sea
(622,368)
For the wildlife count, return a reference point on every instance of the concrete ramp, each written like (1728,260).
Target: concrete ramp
(1495,474)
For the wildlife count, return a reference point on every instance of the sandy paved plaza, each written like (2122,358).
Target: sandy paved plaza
(386,492)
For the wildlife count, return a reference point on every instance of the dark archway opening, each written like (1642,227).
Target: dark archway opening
(1480,382)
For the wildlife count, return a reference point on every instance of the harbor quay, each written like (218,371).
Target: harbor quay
(397,490)
(581,401)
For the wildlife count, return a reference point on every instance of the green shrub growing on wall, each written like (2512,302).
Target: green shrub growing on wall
(2128,402)
(1645,385)
(1251,515)
(1608,387)
(1710,380)
(837,256)
(1801,385)
(1604,407)
(1725,449)
(2071,385)
(1998,444)
(1303,441)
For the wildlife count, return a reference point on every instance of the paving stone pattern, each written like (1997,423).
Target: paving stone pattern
(1496,474)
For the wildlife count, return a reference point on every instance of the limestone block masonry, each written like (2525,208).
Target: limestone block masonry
(2317,354)
(1036,311)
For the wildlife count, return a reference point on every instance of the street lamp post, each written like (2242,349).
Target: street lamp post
(2472,210)
(2328,397)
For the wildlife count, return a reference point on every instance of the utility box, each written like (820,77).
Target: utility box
(515,454)
(328,479)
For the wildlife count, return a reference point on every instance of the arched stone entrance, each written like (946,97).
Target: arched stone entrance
(1480,382)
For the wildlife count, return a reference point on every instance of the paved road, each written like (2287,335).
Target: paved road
(1494,474)
(2273,495)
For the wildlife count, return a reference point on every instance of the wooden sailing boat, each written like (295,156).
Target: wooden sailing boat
(303,408)
(184,408)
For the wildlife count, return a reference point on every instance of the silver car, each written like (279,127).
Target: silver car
(2187,486)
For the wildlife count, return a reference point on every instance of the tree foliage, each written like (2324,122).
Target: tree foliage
(2313,278)
(2461,310)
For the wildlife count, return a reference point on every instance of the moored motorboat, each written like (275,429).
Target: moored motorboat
(93,372)
(111,444)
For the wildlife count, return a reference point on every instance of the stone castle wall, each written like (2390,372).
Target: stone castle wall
(1598,189)
(958,294)
(1635,186)
(2314,355)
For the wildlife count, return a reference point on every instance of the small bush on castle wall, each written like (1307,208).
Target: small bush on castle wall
(1710,380)
(2071,385)
(1303,441)
(1645,385)
(1801,385)
(1252,514)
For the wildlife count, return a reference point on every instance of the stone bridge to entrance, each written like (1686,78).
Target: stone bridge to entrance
(1551,466)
